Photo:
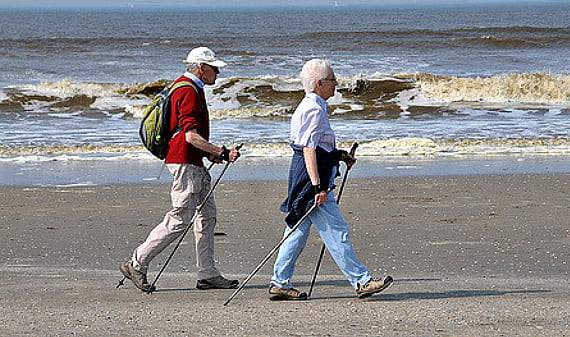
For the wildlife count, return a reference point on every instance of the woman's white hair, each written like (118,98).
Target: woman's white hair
(314,71)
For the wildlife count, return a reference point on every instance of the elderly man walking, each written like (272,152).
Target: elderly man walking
(187,148)
(313,169)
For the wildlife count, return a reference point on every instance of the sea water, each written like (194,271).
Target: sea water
(413,83)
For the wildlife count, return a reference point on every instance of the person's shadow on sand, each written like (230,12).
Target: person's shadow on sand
(410,296)
(388,296)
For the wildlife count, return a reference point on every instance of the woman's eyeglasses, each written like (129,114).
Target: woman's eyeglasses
(330,79)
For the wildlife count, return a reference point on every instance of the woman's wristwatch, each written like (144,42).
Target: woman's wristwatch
(318,189)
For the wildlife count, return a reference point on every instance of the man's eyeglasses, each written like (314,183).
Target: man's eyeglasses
(215,69)
(330,79)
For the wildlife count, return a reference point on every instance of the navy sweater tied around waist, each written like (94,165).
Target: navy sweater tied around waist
(300,193)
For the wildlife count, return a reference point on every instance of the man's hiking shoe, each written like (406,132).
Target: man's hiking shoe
(138,278)
(282,294)
(374,286)
(218,282)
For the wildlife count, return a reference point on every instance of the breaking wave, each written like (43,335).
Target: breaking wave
(539,88)
(375,96)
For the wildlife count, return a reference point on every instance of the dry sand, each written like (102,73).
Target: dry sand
(471,256)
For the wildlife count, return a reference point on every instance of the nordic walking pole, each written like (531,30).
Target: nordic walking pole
(294,228)
(198,209)
(352,152)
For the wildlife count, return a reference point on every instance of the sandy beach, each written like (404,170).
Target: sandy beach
(460,109)
(471,256)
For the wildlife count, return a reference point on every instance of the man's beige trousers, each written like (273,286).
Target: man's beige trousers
(190,186)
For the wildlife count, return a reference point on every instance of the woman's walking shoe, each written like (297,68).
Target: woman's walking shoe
(138,278)
(217,282)
(374,286)
(290,294)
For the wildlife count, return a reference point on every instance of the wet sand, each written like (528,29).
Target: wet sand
(471,256)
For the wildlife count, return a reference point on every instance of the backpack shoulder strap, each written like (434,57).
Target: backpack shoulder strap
(181,84)
(171,89)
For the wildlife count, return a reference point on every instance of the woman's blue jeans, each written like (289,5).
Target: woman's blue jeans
(334,232)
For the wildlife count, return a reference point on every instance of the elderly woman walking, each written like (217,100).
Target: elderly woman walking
(314,167)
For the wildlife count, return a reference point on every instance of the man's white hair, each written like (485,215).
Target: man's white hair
(314,71)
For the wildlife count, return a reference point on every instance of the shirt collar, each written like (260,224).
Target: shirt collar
(195,79)
(317,98)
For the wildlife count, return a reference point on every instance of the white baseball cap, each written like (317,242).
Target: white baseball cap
(204,55)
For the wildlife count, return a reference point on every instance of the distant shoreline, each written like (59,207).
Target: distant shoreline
(110,172)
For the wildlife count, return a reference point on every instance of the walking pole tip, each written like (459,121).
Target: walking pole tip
(121,282)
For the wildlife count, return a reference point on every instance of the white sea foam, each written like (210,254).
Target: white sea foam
(76,156)
(396,147)
(84,184)
(65,115)
(67,88)
(399,147)
(135,110)
(336,99)
(116,102)
(410,97)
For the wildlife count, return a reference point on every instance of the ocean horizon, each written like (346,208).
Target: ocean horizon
(332,5)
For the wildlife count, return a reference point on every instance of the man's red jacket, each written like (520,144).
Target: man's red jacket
(188,111)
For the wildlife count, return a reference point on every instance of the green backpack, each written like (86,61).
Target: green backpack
(154,129)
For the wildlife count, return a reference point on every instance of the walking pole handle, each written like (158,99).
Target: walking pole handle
(352,152)
(353,148)
(212,164)
(199,208)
